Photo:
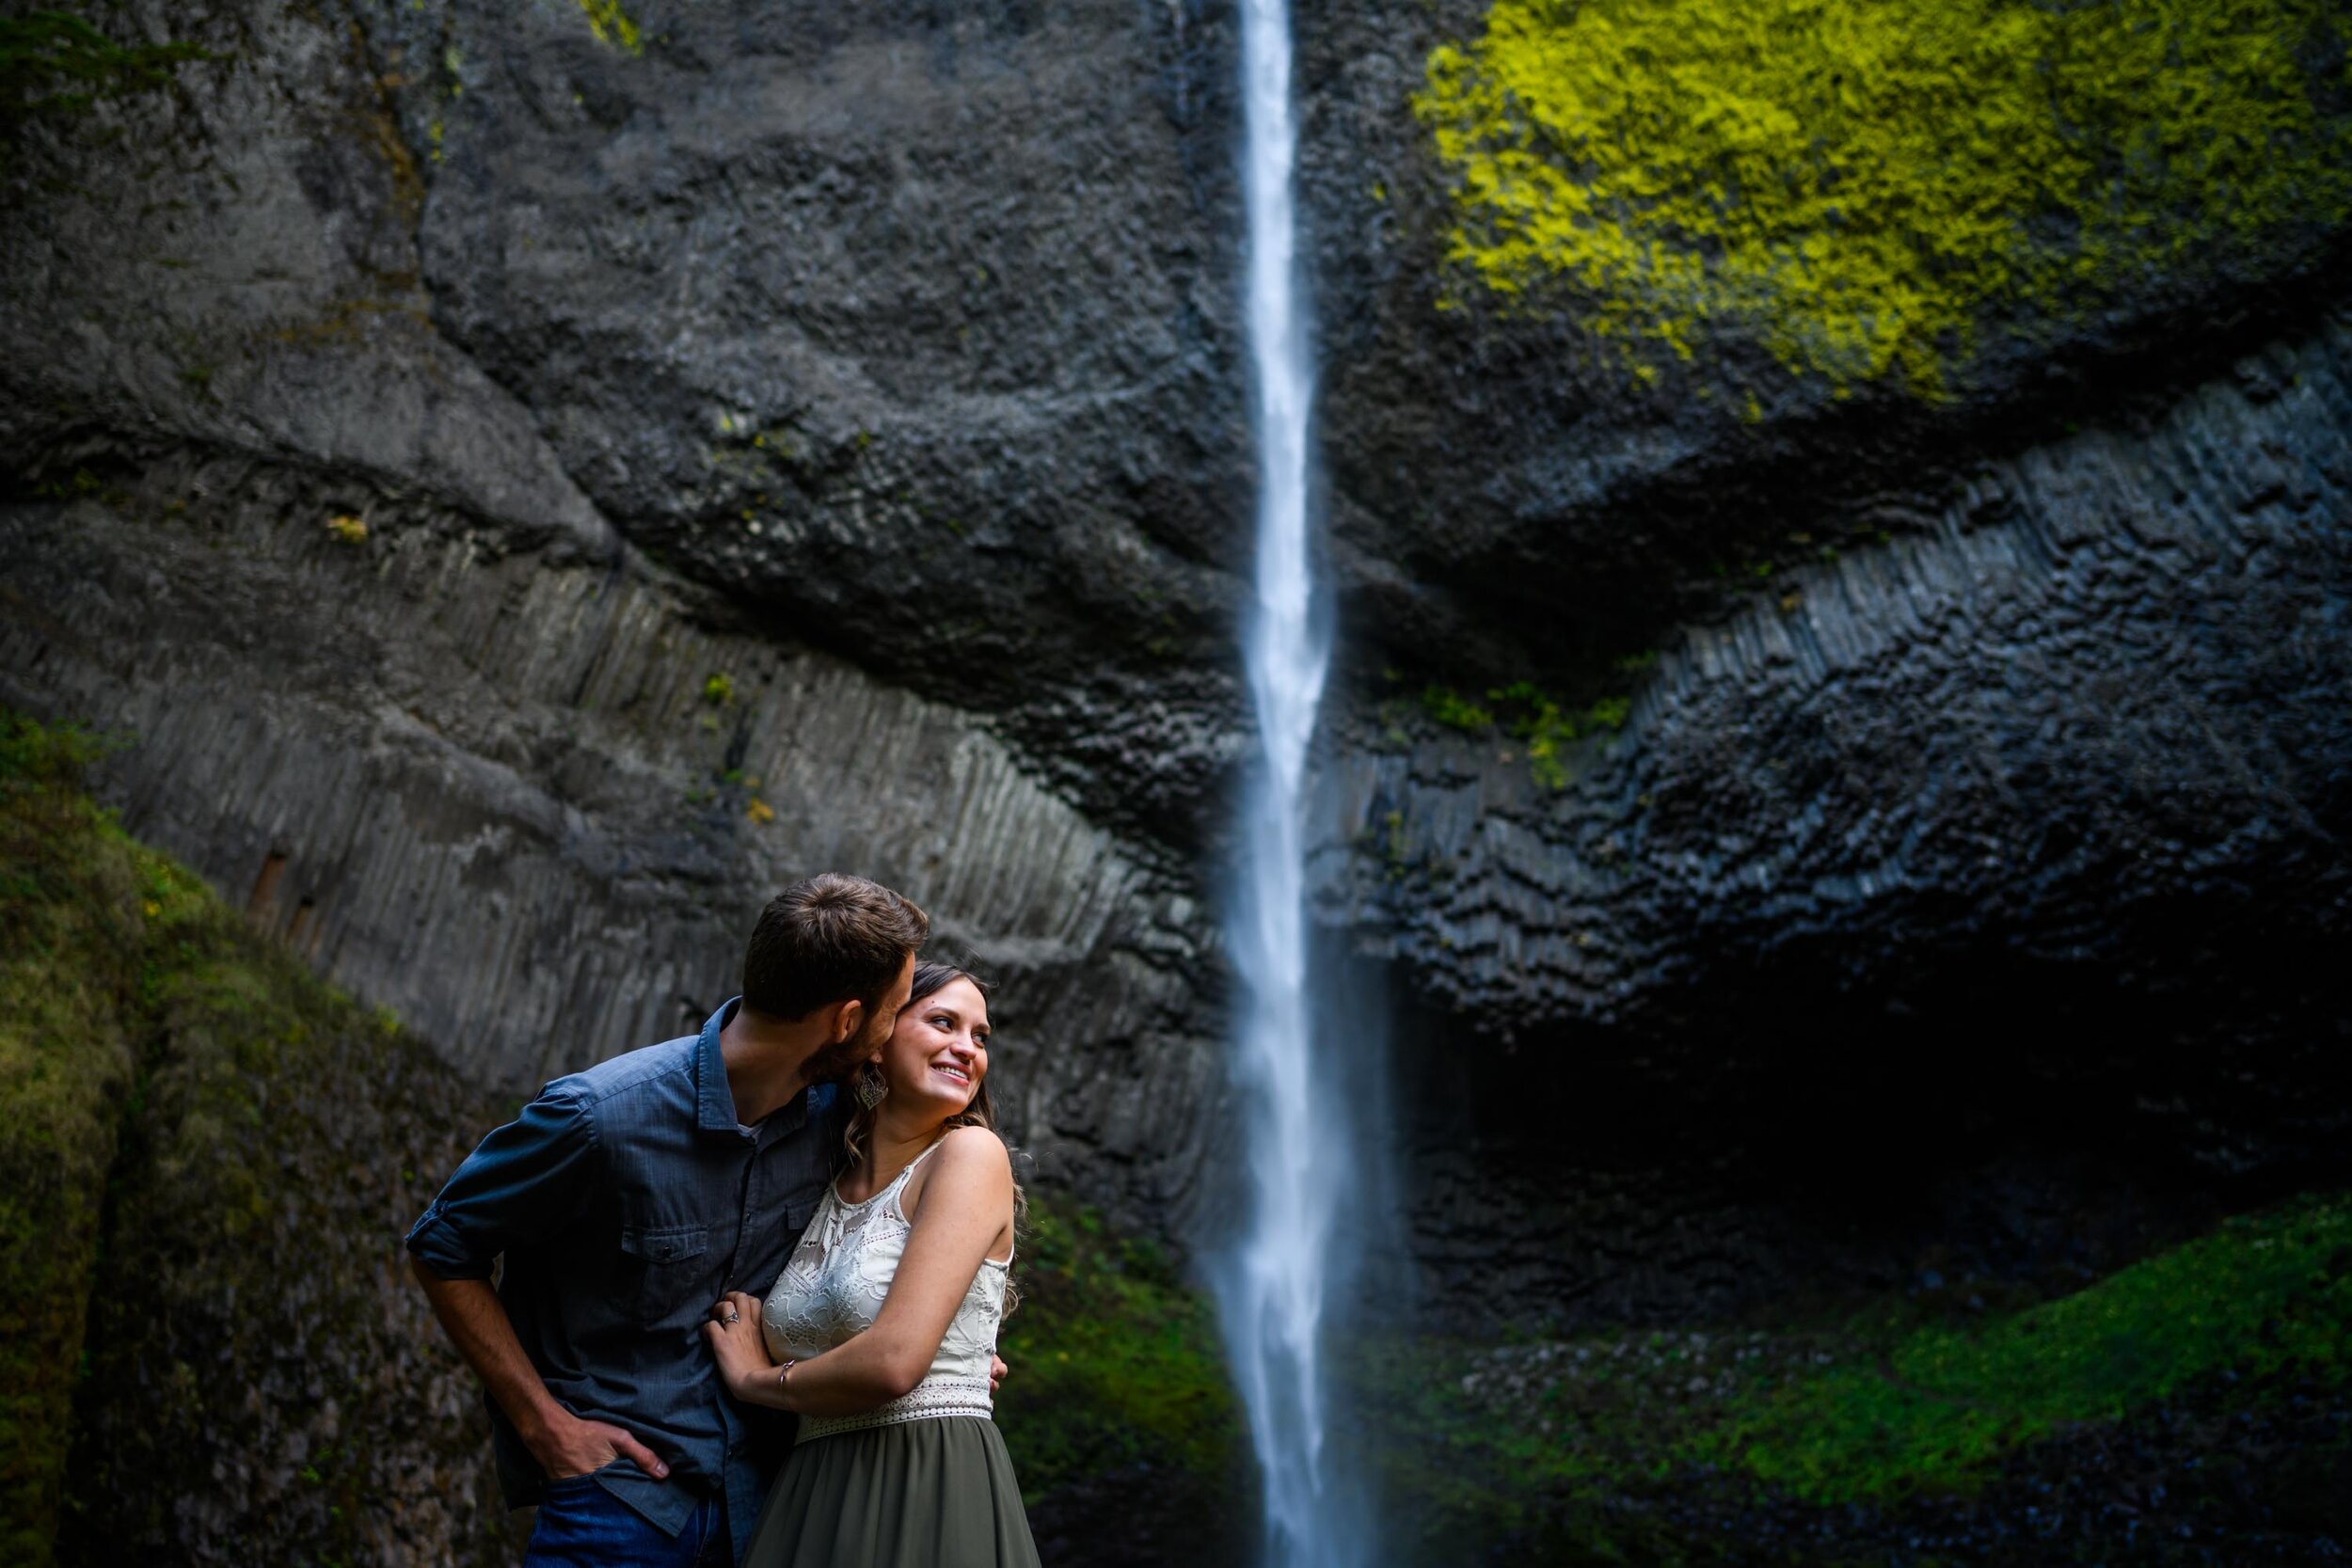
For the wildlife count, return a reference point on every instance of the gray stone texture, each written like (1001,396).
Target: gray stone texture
(885,361)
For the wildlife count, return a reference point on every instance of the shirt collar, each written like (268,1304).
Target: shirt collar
(714,1101)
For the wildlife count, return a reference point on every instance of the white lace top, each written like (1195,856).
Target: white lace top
(832,1287)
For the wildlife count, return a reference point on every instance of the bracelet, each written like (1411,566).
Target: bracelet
(783,1371)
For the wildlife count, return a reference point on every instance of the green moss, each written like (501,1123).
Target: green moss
(1557,1436)
(1527,714)
(1934,1410)
(1115,1362)
(1858,184)
(612,24)
(54,62)
(206,1158)
(69,942)
(1453,710)
(88,919)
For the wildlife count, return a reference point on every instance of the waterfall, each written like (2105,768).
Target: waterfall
(1272,1288)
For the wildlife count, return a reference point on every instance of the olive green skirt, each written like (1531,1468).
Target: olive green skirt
(929,1494)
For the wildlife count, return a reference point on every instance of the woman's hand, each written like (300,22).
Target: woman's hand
(739,1348)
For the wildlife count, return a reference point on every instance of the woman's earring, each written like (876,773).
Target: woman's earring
(871,1086)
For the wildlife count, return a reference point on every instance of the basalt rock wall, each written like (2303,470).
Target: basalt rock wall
(2001,860)
(292,429)
(534,807)
(529,479)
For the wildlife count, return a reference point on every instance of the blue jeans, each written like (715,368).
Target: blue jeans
(580,1524)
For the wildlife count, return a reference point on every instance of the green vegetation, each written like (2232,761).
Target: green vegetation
(1115,1362)
(612,25)
(55,63)
(73,905)
(1940,1404)
(206,1156)
(1517,1439)
(1525,713)
(1858,184)
(1453,710)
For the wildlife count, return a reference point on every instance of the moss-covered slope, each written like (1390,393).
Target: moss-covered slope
(1863,186)
(71,934)
(214,1352)
(2197,1401)
(1119,1414)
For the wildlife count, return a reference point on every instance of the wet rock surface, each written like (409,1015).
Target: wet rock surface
(297,507)
(885,370)
(527,492)
(535,807)
(2008,841)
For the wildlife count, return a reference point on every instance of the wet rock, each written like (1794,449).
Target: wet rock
(475,389)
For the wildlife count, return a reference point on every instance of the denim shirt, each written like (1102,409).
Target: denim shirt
(626,1200)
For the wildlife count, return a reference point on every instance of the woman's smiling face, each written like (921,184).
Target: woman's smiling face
(938,1053)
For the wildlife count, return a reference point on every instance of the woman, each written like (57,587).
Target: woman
(881,1331)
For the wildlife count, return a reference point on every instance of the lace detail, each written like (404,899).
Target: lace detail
(933,1397)
(834,1285)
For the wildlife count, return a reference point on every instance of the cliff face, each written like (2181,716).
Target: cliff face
(533,805)
(532,480)
(1834,783)
(2016,837)
(299,511)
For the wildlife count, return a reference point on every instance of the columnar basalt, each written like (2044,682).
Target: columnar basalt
(522,480)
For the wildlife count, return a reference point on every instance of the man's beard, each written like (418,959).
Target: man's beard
(834,1063)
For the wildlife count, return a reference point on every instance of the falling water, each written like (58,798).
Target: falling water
(1272,1288)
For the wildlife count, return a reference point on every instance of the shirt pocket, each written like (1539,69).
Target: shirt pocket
(667,1272)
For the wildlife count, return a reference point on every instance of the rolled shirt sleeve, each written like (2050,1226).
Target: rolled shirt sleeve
(527,1179)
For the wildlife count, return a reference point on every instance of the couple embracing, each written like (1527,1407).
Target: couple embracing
(804,1212)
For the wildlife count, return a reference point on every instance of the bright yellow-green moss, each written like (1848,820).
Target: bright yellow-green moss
(1858,182)
(612,25)
(1526,713)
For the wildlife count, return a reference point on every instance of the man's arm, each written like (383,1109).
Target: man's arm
(564,1444)
(527,1180)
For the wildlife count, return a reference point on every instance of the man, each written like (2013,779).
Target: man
(629,1198)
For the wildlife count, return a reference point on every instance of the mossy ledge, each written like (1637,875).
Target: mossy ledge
(1863,187)
(2200,1400)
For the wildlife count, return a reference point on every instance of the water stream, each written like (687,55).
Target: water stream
(1274,1288)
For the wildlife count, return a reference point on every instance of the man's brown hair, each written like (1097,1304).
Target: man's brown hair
(831,939)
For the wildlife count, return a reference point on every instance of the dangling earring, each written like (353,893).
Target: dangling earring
(871,1086)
